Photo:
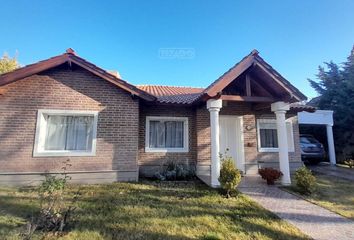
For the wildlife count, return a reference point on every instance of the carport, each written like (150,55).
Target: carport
(321,117)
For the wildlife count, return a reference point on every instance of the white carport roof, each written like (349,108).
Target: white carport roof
(324,117)
(321,117)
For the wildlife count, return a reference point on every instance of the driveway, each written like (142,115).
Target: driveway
(334,171)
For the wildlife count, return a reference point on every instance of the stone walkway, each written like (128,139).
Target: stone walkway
(313,220)
(334,171)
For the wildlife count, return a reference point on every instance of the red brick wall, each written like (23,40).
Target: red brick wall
(70,89)
(150,162)
(203,136)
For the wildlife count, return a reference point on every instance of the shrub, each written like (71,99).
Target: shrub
(55,212)
(174,171)
(270,175)
(230,176)
(349,163)
(305,181)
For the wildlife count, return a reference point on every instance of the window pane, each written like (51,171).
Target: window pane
(69,133)
(268,138)
(166,134)
(174,134)
(157,134)
(56,133)
(79,133)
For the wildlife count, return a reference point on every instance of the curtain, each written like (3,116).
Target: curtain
(156,134)
(166,134)
(69,132)
(268,138)
(174,134)
(268,133)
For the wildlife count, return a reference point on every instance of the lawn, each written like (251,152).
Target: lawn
(151,210)
(334,194)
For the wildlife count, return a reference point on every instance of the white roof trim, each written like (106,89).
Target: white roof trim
(324,117)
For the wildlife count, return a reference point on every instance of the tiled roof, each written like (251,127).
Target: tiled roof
(188,95)
(298,107)
(171,94)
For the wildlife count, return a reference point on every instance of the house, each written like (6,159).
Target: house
(67,108)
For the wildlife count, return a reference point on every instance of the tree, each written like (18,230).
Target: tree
(8,64)
(335,86)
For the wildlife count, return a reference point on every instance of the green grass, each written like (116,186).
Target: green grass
(151,210)
(334,194)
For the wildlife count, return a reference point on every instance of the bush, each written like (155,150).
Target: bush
(270,175)
(174,171)
(230,176)
(305,181)
(55,212)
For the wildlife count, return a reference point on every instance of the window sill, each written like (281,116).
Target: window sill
(271,150)
(268,150)
(64,154)
(166,150)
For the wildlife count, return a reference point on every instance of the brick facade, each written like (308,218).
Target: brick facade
(120,147)
(69,89)
(150,162)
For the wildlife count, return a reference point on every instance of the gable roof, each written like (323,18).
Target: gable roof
(173,94)
(70,57)
(252,59)
(162,94)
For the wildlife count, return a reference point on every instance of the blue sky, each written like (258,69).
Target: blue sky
(293,36)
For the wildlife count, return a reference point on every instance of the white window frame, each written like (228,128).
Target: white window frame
(41,130)
(164,150)
(289,133)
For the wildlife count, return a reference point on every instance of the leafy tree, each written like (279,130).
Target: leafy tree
(8,64)
(335,86)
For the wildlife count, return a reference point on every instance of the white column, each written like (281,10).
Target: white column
(330,141)
(280,109)
(214,106)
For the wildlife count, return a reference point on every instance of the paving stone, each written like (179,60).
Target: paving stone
(311,219)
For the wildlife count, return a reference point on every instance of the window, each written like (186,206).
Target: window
(65,133)
(166,134)
(268,138)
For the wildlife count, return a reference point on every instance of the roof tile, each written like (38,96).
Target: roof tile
(171,94)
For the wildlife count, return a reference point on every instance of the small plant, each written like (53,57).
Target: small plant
(210,236)
(270,175)
(230,176)
(55,212)
(175,171)
(305,181)
(349,163)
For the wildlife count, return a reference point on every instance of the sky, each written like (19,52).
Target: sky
(182,42)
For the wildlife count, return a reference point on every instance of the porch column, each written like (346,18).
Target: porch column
(280,108)
(330,141)
(214,106)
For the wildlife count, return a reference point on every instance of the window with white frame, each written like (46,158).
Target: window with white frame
(65,133)
(166,134)
(268,138)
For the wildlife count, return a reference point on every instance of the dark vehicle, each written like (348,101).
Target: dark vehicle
(312,150)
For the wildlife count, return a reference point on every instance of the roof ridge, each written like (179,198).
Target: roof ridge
(159,85)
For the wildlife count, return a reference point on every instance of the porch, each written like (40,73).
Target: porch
(251,112)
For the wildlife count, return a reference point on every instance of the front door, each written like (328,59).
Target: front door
(231,138)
